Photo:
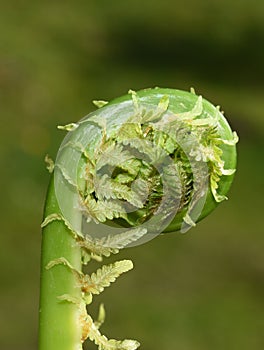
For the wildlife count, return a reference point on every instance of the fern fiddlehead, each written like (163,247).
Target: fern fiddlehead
(157,160)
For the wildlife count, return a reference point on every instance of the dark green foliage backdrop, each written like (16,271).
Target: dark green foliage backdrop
(197,291)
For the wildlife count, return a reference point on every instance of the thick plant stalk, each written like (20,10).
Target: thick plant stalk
(59,326)
(154,161)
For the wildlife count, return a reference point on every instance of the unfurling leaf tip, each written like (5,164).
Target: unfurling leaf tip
(68,127)
(135,98)
(192,91)
(100,103)
(49,164)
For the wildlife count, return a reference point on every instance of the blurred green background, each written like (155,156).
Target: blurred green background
(199,291)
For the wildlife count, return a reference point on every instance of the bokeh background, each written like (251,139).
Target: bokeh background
(199,291)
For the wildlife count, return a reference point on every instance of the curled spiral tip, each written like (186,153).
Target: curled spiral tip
(152,161)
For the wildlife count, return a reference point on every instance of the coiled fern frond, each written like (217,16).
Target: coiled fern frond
(157,160)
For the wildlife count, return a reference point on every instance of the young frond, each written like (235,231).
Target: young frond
(94,248)
(106,275)
(108,344)
(128,131)
(113,154)
(123,239)
(101,317)
(131,166)
(107,188)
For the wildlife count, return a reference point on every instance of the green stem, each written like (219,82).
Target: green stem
(59,324)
